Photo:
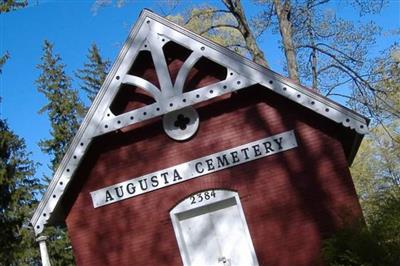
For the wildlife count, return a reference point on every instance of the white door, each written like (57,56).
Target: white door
(216,234)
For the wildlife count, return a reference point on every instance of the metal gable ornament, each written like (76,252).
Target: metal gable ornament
(180,119)
(181,124)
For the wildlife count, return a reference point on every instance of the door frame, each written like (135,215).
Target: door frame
(189,203)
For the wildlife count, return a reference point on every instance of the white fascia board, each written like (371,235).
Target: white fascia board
(150,33)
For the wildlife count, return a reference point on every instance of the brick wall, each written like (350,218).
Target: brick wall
(291,200)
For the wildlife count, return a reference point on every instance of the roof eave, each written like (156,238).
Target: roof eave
(252,72)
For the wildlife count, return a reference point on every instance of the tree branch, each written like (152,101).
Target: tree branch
(340,52)
(267,18)
(203,12)
(310,6)
(342,66)
(283,12)
(235,7)
(219,26)
(340,95)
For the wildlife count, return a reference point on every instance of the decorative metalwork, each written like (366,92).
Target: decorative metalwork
(151,33)
(181,124)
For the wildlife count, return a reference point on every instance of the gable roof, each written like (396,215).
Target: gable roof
(150,33)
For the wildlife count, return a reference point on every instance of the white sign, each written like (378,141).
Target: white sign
(195,168)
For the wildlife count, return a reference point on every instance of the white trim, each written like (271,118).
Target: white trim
(150,26)
(44,255)
(195,168)
(186,206)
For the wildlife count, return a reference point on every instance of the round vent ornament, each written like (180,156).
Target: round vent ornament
(181,124)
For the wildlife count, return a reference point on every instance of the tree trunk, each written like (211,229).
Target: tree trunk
(285,27)
(314,69)
(313,55)
(235,7)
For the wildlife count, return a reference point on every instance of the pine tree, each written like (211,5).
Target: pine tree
(93,73)
(64,111)
(63,107)
(18,197)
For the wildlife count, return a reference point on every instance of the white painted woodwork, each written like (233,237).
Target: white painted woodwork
(44,255)
(151,33)
(215,234)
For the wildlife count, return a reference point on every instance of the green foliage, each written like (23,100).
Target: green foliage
(18,196)
(10,5)
(377,244)
(331,49)
(93,73)
(386,75)
(376,174)
(354,245)
(376,169)
(63,108)
(59,246)
(332,52)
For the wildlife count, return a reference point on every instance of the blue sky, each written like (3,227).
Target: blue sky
(72,27)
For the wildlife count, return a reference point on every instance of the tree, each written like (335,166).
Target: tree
(64,111)
(333,51)
(93,73)
(229,28)
(376,174)
(215,24)
(375,244)
(10,5)
(283,13)
(63,108)
(236,9)
(376,169)
(19,190)
(384,103)
(322,49)
(331,54)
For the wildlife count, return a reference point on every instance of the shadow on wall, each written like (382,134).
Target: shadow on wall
(320,197)
(292,200)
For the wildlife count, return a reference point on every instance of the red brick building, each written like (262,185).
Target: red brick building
(192,154)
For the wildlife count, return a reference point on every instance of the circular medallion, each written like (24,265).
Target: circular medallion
(181,124)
